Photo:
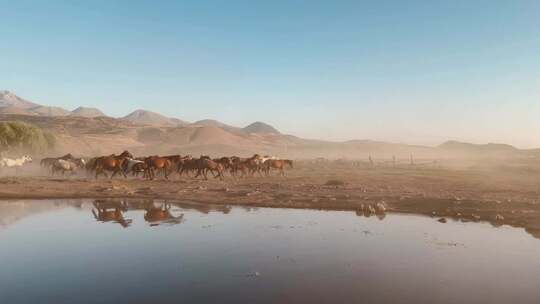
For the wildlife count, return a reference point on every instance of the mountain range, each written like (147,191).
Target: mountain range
(13,104)
(88,131)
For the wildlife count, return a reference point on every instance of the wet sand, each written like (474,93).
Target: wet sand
(468,195)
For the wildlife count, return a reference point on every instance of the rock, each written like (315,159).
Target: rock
(499,217)
(442,220)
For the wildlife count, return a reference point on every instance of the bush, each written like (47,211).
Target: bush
(16,135)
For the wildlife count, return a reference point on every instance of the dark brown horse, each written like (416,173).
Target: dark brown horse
(205,164)
(186,165)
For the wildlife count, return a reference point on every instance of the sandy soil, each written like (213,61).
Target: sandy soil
(467,195)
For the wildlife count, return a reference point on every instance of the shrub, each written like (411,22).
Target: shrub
(17,135)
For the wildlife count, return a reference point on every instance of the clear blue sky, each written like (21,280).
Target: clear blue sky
(407,71)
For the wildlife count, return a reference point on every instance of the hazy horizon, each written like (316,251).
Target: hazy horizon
(418,72)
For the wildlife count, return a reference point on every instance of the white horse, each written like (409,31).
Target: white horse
(18,162)
(62,165)
(263,159)
(133,166)
(14,163)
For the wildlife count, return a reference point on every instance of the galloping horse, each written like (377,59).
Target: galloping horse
(47,162)
(278,164)
(111,163)
(66,165)
(187,164)
(157,163)
(204,164)
(14,163)
(134,166)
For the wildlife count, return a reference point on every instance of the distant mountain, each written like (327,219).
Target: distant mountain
(453,145)
(215,123)
(144,117)
(260,128)
(7,98)
(87,112)
(15,110)
(49,111)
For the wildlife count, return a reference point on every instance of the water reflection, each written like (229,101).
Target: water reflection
(263,255)
(111,211)
(156,212)
(169,212)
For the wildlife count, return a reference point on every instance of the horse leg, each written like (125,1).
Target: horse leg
(166,173)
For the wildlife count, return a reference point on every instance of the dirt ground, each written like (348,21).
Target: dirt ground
(501,196)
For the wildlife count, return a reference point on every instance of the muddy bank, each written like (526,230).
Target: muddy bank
(461,195)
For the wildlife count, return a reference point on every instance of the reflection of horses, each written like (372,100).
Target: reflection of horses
(111,211)
(157,215)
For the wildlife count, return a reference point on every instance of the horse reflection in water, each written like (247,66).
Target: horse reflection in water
(161,214)
(111,211)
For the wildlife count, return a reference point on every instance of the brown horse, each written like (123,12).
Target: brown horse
(162,164)
(111,163)
(245,165)
(278,164)
(205,164)
(187,165)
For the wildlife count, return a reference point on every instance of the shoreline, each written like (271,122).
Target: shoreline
(370,194)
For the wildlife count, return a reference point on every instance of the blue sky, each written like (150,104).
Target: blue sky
(407,71)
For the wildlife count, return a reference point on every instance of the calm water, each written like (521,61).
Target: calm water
(150,252)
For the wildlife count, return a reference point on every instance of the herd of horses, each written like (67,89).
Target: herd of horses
(149,167)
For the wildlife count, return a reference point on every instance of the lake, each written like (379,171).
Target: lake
(134,251)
